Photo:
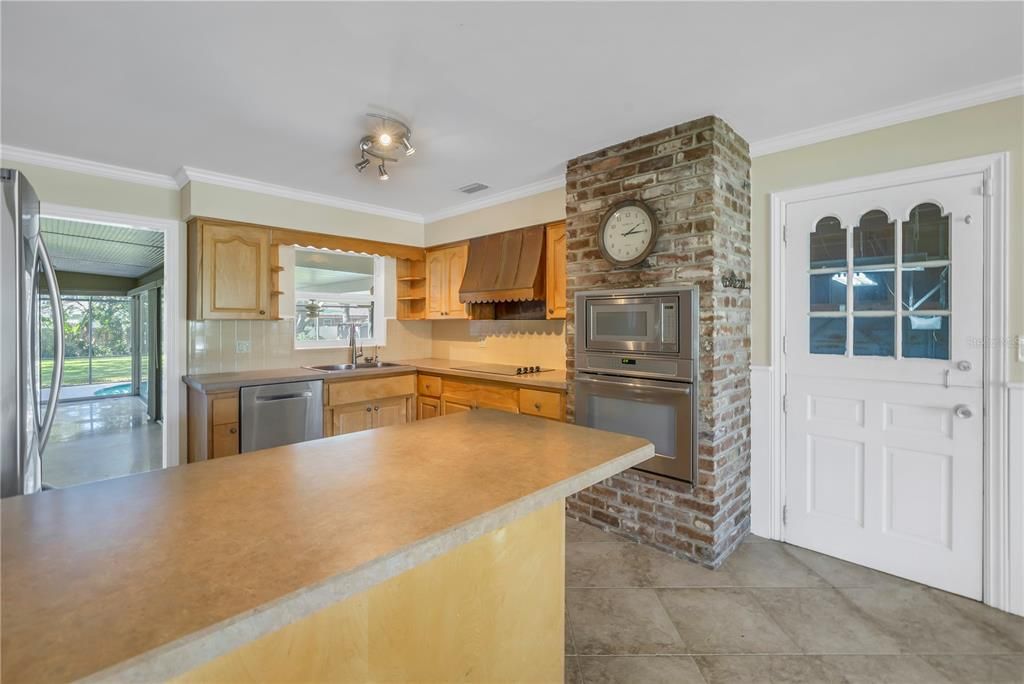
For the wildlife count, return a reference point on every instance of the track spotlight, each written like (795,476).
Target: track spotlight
(409,149)
(382,172)
(362,164)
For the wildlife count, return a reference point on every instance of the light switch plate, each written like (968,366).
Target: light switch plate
(242,347)
(481,342)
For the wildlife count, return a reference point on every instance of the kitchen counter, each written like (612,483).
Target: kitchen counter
(150,576)
(554,379)
(226,382)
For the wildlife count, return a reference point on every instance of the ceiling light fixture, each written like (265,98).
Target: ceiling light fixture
(379,144)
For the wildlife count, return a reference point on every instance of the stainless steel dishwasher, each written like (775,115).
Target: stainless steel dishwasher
(282,413)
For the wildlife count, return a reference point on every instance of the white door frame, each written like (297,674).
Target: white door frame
(1003,585)
(174,312)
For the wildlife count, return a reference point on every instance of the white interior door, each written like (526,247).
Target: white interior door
(884,416)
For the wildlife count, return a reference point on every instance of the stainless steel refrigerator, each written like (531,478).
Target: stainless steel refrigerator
(26,279)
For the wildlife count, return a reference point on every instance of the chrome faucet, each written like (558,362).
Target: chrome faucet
(354,352)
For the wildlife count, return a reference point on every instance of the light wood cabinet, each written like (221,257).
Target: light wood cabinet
(229,271)
(445,268)
(356,405)
(213,430)
(554,277)
(541,403)
(427,407)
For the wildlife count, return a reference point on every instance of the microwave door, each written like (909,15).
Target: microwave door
(660,412)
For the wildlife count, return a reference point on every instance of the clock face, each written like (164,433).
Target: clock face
(627,234)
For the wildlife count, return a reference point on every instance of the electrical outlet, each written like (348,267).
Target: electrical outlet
(481,342)
(242,347)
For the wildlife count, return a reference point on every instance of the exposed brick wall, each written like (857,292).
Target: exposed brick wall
(696,178)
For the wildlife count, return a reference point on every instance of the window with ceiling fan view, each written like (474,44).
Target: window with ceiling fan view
(335,292)
(881,287)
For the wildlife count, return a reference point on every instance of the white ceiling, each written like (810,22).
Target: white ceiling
(498,93)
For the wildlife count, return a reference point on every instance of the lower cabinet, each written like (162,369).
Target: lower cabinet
(359,405)
(427,407)
(212,425)
(442,397)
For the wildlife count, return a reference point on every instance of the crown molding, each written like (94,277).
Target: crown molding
(961,99)
(85,166)
(498,198)
(188,174)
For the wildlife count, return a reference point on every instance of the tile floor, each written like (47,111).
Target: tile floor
(773,613)
(101,438)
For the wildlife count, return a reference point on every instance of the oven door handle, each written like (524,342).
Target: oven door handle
(678,387)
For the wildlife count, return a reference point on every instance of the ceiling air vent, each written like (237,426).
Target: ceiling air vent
(473,187)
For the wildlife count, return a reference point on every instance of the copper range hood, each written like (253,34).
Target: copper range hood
(505,267)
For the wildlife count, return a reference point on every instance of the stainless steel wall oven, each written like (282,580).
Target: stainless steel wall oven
(637,371)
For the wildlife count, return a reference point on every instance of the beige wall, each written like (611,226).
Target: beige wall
(994,127)
(515,342)
(204,199)
(528,211)
(101,194)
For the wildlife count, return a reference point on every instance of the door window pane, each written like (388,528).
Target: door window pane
(874,336)
(926,337)
(828,244)
(874,290)
(828,292)
(926,288)
(926,234)
(828,335)
(874,240)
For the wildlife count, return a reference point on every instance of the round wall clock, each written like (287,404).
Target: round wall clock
(628,233)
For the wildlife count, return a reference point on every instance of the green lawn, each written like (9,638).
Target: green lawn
(105,369)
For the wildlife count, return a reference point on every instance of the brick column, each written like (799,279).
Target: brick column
(696,178)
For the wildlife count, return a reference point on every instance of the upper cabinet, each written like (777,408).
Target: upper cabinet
(445,268)
(229,271)
(554,277)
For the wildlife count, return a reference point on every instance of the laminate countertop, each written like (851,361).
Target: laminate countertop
(228,382)
(148,576)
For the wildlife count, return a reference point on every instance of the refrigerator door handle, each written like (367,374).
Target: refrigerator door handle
(58,346)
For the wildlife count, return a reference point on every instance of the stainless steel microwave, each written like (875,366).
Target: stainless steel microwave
(648,321)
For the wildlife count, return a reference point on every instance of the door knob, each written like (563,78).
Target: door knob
(233,430)
(963,411)
(964,365)
(369,408)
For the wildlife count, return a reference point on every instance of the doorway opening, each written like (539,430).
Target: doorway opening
(109,419)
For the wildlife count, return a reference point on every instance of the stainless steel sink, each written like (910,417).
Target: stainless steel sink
(332,367)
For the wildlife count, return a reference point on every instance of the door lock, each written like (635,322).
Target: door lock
(963,411)
(964,366)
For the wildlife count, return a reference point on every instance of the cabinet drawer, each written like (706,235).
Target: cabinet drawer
(225,440)
(372,388)
(224,410)
(482,395)
(429,385)
(537,403)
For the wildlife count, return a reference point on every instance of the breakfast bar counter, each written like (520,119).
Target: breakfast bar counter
(422,551)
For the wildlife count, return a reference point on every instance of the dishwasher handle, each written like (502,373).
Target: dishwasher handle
(282,397)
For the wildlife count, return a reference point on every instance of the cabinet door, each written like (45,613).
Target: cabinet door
(437,283)
(352,418)
(393,411)
(450,406)
(236,271)
(456,269)
(225,440)
(554,281)
(428,407)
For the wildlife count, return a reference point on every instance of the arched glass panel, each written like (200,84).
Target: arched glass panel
(926,234)
(828,244)
(874,240)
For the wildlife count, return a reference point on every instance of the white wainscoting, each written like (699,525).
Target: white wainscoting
(1016,496)
(762,438)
